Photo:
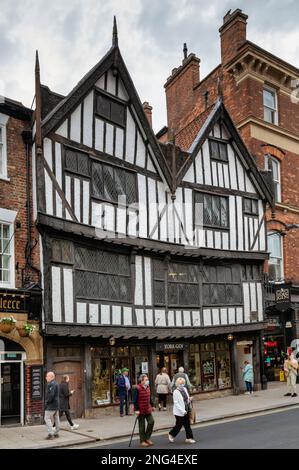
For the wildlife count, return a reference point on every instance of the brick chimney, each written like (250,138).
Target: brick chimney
(179,89)
(232,34)
(148,111)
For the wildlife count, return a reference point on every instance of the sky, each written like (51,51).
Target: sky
(73,35)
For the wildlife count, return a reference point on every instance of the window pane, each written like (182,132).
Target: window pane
(97,180)
(120,182)
(5,229)
(214,149)
(223,369)
(109,184)
(207,215)
(100,385)
(173,297)
(269,115)
(159,269)
(130,187)
(223,151)
(274,244)
(159,292)
(275,169)
(224,212)
(247,205)
(118,113)
(103,106)
(216,211)
(83,168)
(70,160)
(188,294)
(269,99)
(1,135)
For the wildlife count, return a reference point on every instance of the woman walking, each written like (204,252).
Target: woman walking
(163,385)
(181,411)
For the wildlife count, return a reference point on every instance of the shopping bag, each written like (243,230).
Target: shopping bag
(192,415)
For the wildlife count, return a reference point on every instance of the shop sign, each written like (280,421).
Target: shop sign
(273,323)
(36,382)
(144,367)
(283,296)
(12,302)
(170,347)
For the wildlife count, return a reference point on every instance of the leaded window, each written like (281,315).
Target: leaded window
(222,285)
(76,162)
(215,210)
(250,206)
(109,183)
(102,275)
(218,150)
(110,109)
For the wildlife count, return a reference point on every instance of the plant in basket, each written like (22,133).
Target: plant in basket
(7,324)
(26,329)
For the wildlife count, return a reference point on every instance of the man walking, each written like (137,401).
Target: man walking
(52,406)
(64,401)
(143,407)
(290,368)
(124,387)
(181,373)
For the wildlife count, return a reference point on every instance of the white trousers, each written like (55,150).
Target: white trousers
(49,415)
(291,383)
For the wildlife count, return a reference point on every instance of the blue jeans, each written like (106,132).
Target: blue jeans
(123,401)
(248,386)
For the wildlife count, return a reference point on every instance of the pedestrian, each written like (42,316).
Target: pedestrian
(181,373)
(143,408)
(247,373)
(162,382)
(64,401)
(290,368)
(52,406)
(124,389)
(181,411)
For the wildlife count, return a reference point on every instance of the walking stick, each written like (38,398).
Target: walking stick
(133,431)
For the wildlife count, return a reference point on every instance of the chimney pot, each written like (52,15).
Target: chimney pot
(148,111)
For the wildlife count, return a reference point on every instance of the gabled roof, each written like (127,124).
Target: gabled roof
(15,109)
(203,126)
(113,59)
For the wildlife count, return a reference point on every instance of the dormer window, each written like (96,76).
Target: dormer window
(110,109)
(218,150)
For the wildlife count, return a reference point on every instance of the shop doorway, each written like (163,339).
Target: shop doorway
(74,370)
(244,353)
(172,361)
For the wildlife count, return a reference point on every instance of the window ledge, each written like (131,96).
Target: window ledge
(4,178)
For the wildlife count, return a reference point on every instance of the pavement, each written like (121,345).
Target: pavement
(106,428)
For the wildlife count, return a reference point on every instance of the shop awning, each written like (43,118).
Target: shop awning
(126,333)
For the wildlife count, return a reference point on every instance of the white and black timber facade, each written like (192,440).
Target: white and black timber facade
(151,280)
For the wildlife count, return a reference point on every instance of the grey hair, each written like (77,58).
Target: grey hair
(141,377)
(181,369)
(180,378)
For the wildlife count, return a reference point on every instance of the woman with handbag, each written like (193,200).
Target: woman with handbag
(181,411)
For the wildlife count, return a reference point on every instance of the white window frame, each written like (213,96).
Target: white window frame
(3,144)
(281,257)
(277,182)
(8,217)
(275,109)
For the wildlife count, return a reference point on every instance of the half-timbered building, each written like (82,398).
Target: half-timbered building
(151,256)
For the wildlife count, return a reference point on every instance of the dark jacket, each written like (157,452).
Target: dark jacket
(64,396)
(142,400)
(52,396)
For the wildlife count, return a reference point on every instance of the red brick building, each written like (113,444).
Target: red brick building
(21,356)
(259,91)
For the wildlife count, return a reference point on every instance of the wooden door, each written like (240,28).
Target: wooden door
(74,370)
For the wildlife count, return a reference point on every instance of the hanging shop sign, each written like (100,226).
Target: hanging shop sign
(36,382)
(12,302)
(283,296)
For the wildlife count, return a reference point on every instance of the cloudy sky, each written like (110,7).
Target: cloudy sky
(72,35)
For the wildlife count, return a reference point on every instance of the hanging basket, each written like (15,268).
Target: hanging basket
(6,327)
(23,333)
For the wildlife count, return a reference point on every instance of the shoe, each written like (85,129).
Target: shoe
(150,443)
(75,426)
(247,393)
(121,415)
(49,437)
(144,444)
(287,394)
(170,438)
(294,395)
(159,407)
(164,409)
(190,441)
(56,435)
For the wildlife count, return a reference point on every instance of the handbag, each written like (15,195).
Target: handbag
(192,414)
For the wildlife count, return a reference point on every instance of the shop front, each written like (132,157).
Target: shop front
(21,358)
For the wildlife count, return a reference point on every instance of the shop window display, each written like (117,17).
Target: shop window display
(208,371)
(101,394)
(194,367)
(140,363)
(223,369)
